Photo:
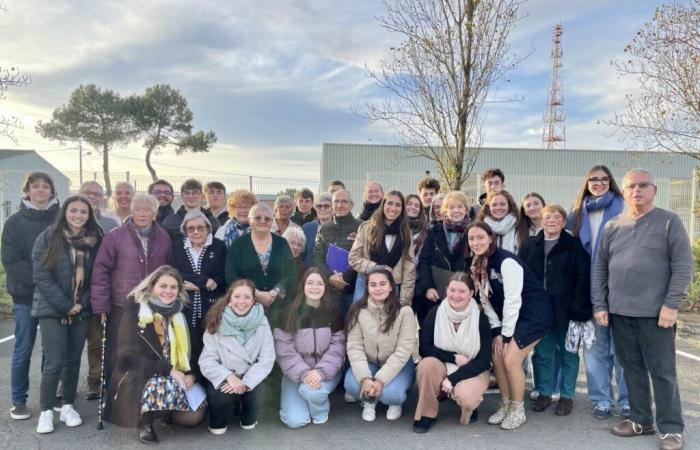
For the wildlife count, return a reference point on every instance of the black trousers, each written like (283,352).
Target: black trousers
(646,351)
(220,405)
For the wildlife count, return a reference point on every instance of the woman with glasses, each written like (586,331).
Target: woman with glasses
(239,203)
(264,258)
(598,201)
(200,259)
(324,214)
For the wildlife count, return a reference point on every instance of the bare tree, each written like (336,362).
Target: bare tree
(9,78)
(453,52)
(665,57)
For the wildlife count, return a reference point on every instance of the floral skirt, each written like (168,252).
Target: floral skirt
(164,394)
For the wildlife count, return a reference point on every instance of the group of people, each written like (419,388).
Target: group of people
(230,305)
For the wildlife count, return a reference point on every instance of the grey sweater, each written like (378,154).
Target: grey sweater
(642,265)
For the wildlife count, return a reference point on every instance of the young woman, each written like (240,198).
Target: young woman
(559,260)
(385,239)
(381,338)
(501,214)
(372,197)
(442,253)
(530,222)
(152,373)
(238,355)
(598,201)
(417,221)
(62,258)
(455,343)
(519,312)
(120,202)
(310,348)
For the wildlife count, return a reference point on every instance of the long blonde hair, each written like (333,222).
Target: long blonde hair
(144,289)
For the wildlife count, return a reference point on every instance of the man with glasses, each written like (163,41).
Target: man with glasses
(324,214)
(92,192)
(304,212)
(642,272)
(191,195)
(163,192)
(340,231)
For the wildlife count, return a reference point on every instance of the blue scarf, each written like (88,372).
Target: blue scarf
(241,327)
(234,229)
(611,204)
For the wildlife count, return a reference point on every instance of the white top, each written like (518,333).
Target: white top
(389,240)
(512,273)
(595,218)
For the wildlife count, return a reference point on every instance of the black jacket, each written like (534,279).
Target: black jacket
(53,295)
(163,213)
(173,221)
(568,272)
(341,231)
(479,364)
(18,235)
(300,218)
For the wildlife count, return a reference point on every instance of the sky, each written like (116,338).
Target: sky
(276,79)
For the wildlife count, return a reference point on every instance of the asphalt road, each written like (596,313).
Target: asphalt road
(346,429)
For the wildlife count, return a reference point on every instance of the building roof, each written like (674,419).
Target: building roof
(5,153)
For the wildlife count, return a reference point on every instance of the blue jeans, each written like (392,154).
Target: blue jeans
(25,336)
(600,360)
(551,362)
(394,393)
(300,404)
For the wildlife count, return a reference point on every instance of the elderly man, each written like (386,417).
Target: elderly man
(340,231)
(93,193)
(127,255)
(642,271)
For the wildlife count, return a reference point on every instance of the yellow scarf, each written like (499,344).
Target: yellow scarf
(177,334)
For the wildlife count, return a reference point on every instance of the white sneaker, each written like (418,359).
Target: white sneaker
(248,427)
(45,424)
(556,396)
(349,398)
(70,416)
(393,412)
(369,412)
(218,431)
(534,395)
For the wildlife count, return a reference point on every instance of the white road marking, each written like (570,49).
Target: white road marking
(8,338)
(688,355)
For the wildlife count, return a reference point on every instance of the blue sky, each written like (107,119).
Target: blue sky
(276,79)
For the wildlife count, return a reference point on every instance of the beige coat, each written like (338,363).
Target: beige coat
(390,351)
(404,271)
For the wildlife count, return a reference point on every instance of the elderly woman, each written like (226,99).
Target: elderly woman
(519,312)
(455,343)
(297,242)
(264,258)
(283,209)
(127,255)
(200,259)
(324,214)
(442,253)
(238,355)
(435,213)
(239,203)
(372,197)
(120,202)
(153,370)
(500,212)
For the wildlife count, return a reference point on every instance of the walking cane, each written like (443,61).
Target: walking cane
(100,407)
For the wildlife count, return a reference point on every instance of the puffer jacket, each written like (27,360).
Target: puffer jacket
(404,271)
(121,264)
(18,235)
(225,355)
(391,350)
(318,344)
(53,295)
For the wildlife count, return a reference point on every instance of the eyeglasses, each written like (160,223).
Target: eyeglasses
(323,206)
(240,207)
(198,228)
(261,219)
(642,185)
(191,193)
(158,193)
(341,201)
(91,194)
(603,180)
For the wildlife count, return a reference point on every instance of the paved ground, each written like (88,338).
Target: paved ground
(346,429)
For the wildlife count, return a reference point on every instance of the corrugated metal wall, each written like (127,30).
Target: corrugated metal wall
(556,174)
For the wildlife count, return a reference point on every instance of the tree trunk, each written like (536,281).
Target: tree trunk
(150,168)
(105,169)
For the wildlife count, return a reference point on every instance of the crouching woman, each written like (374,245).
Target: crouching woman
(310,346)
(455,343)
(238,355)
(152,373)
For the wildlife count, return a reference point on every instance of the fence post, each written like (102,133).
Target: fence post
(127,177)
(250,183)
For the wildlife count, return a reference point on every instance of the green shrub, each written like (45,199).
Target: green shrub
(692,303)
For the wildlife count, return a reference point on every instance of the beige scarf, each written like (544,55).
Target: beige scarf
(466,339)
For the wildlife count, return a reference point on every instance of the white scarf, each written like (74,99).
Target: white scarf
(466,340)
(505,230)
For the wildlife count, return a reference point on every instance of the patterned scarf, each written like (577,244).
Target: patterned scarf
(233,230)
(176,341)
(456,227)
(241,327)
(80,244)
(479,271)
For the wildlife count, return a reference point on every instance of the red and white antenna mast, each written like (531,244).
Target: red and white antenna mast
(554,133)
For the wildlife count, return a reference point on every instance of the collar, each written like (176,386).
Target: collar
(207,243)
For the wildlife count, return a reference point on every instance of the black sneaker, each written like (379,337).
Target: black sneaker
(564,407)
(541,403)
(475,416)
(423,425)
(20,412)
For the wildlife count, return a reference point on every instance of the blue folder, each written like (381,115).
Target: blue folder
(337,259)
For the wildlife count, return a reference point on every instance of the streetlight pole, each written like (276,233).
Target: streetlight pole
(80,152)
